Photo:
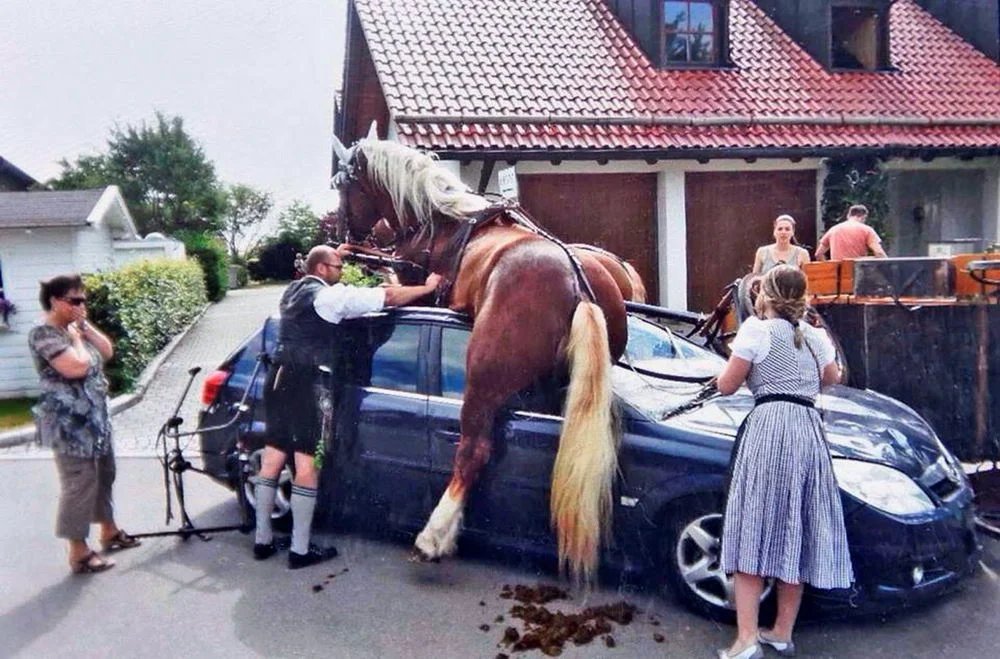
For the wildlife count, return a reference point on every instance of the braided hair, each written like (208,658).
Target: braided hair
(784,289)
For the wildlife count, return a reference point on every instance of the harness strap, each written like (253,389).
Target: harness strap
(521,217)
(461,240)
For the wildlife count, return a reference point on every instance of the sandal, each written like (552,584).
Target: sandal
(90,564)
(120,540)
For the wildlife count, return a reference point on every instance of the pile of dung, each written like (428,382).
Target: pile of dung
(548,631)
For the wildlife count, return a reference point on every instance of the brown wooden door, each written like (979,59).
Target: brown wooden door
(616,212)
(731,214)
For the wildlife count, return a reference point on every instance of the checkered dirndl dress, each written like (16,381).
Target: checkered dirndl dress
(783,516)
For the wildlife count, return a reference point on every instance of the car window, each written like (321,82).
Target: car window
(543,396)
(395,359)
(454,346)
(654,349)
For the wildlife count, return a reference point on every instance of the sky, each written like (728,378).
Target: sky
(254,81)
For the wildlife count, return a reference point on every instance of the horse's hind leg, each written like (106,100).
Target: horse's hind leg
(441,531)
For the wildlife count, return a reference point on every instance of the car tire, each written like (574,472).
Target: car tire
(281,517)
(690,556)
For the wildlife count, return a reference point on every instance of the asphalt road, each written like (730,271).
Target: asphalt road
(210,599)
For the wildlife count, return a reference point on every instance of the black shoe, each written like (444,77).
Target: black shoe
(264,552)
(312,557)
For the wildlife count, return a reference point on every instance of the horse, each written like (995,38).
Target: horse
(624,273)
(538,308)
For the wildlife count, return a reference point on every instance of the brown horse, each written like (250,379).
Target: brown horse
(534,312)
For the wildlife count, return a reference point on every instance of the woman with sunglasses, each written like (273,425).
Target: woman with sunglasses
(72,418)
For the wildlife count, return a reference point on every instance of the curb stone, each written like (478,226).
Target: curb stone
(120,403)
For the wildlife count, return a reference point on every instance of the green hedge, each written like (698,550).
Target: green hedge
(142,306)
(212,255)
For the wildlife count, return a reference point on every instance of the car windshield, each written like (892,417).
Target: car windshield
(660,371)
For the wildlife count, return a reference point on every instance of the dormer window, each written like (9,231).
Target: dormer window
(692,33)
(859,38)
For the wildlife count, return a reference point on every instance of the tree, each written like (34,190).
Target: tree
(299,224)
(163,174)
(246,210)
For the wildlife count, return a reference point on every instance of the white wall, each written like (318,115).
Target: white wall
(27,257)
(130,251)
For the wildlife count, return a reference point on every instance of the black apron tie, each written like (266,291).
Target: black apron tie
(786,398)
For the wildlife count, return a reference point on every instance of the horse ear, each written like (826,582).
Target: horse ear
(340,151)
(373,131)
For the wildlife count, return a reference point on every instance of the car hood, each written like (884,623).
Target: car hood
(859,424)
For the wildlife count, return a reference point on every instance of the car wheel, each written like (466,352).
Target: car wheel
(281,517)
(692,555)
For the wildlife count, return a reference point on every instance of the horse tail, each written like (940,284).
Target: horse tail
(587,458)
(638,288)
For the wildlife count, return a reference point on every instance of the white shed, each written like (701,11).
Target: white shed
(46,233)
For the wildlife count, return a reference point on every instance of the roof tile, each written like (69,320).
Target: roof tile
(523,58)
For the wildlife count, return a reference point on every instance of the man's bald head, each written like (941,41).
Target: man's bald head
(319,255)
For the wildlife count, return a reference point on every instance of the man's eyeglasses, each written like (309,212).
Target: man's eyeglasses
(75,301)
(338,266)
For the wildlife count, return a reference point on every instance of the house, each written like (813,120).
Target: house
(46,233)
(674,132)
(12,179)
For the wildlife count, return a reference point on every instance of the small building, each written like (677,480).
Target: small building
(46,233)
(674,132)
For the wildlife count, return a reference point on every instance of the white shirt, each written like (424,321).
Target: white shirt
(339,302)
(753,341)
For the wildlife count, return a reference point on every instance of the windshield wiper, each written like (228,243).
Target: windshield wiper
(696,379)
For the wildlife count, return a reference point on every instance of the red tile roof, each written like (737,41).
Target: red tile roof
(565,75)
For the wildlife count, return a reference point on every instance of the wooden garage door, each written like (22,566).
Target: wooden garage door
(730,214)
(616,212)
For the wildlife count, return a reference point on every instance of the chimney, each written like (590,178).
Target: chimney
(976,21)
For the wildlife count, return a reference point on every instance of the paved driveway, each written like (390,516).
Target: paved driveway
(220,330)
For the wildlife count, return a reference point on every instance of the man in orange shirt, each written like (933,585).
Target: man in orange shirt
(851,239)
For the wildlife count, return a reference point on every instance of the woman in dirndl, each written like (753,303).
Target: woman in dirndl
(783,515)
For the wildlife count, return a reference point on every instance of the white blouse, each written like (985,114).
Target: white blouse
(753,340)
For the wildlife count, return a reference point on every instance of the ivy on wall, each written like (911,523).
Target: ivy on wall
(857,181)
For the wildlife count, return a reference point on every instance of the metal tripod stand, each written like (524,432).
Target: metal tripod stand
(175,464)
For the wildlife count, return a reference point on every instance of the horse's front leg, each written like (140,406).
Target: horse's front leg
(441,532)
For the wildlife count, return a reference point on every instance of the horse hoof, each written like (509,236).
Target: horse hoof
(418,556)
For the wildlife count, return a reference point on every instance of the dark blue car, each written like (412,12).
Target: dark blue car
(907,503)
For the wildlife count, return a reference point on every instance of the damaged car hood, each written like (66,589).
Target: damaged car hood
(860,424)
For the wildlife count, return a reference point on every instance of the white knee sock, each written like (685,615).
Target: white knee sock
(303,505)
(265,491)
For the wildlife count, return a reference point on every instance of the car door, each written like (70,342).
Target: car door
(385,422)
(510,501)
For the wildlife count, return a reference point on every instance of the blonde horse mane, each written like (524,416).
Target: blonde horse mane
(415,181)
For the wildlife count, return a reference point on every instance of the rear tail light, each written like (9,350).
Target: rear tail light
(213,383)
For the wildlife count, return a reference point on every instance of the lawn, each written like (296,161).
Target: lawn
(15,412)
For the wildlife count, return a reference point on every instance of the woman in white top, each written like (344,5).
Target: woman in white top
(781,251)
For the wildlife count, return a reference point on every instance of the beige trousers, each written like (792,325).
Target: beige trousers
(85,494)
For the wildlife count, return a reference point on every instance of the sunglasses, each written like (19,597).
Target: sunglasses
(75,301)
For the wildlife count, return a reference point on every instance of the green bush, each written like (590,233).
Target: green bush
(242,277)
(213,256)
(275,260)
(356,276)
(141,307)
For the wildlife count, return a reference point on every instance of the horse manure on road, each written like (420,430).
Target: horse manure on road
(548,631)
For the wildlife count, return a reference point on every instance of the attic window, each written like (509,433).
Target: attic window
(692,32)
(859,39)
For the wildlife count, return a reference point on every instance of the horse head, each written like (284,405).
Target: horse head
(409,189)
(359,210)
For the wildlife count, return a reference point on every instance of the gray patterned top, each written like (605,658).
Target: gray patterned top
(71,414)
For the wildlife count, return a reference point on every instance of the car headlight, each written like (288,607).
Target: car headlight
(882,487)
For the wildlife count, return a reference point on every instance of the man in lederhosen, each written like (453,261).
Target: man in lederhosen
(297,401)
